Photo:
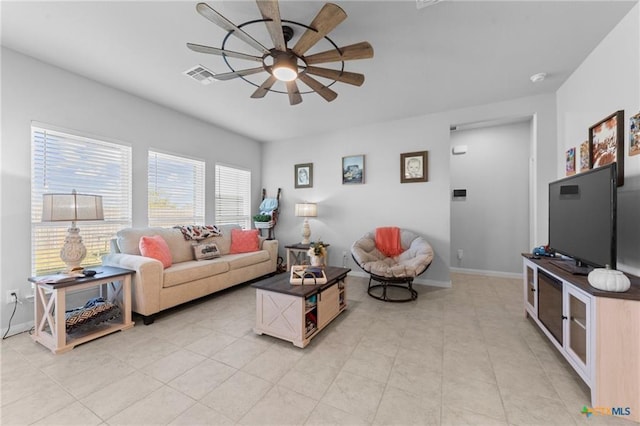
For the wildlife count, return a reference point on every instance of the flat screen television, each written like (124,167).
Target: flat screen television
(582,219)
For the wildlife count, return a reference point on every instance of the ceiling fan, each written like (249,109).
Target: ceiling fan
(283,63)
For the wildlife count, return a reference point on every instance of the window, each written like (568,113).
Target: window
(233,196)
(176,190)
(62,162)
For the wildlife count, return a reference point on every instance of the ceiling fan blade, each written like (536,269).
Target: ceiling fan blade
(271,12)
(353,78)
(362,50)
(294,94)
(235,74)
(264,88)
(326,20)
(318,87)
(215,51)
(212,15)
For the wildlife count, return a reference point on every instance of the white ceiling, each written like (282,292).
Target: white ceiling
(449,55)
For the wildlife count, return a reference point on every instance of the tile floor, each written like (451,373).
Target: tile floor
(457,356)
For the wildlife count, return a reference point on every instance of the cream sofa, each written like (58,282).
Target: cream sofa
(155,288)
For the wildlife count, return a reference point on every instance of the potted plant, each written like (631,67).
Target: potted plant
(317,253)
(262,221)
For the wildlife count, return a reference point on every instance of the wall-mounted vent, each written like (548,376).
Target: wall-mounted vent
(424,3)
(201,74)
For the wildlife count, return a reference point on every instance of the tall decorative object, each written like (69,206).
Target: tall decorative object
(72,208)
(317,253)
(306,210)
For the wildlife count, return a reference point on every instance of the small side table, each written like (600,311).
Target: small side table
(298,252)
(50,308)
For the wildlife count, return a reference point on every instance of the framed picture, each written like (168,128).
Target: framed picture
(413,167)
(606,143)
(353,169)
(570,162)
(634,135)
(584,157)
(303,175)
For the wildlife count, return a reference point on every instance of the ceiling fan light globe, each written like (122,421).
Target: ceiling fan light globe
(285,73)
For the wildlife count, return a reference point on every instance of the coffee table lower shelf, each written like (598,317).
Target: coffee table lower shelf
(298,313)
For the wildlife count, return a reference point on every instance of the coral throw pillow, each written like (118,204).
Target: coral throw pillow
(156,247)
(244,241)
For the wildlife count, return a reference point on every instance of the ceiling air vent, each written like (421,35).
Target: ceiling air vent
(424,3)
(201,74)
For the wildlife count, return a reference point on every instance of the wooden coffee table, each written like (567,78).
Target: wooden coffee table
(297,313)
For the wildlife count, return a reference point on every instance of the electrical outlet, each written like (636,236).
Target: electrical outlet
(460,253)
(344,259)
(10,298)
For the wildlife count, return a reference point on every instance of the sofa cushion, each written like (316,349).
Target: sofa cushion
(156,247)
(222,241)
(127,240)
(244,241)
(180,248)
(183,272)
(241,260)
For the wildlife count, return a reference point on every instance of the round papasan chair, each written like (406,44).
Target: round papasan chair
(395,271)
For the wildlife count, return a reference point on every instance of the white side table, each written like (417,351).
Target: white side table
(50,308)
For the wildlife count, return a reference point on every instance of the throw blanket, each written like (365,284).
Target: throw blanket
(388,241)
(94,312)
(268,205)
(198,232)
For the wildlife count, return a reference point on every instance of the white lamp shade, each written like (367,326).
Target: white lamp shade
(71,207)
(306,210)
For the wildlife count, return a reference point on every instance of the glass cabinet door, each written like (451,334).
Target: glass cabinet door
(578,324)
(530,288)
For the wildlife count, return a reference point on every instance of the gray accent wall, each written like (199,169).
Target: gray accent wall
(490,226)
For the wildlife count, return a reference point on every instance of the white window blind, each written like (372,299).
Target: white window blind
(176,190)
(62,162)
(233,196)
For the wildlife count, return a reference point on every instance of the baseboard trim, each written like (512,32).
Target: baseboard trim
(498,274)
(420,281)
(18,329)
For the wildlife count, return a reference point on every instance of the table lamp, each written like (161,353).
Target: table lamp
(306,210)
(72,208)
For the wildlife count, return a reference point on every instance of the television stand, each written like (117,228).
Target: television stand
(599,332)
(570,267)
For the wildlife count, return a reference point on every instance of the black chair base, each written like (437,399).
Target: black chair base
(405,283)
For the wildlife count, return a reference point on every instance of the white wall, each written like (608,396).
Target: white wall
(35,91)
(608,81)
(495,173)
(346,212)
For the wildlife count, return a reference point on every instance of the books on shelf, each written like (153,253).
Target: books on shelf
(307,275)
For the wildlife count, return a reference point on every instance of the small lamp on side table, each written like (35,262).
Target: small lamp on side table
(306,210)
(72,208)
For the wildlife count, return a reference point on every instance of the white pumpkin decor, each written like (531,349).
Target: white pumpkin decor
(608,279)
